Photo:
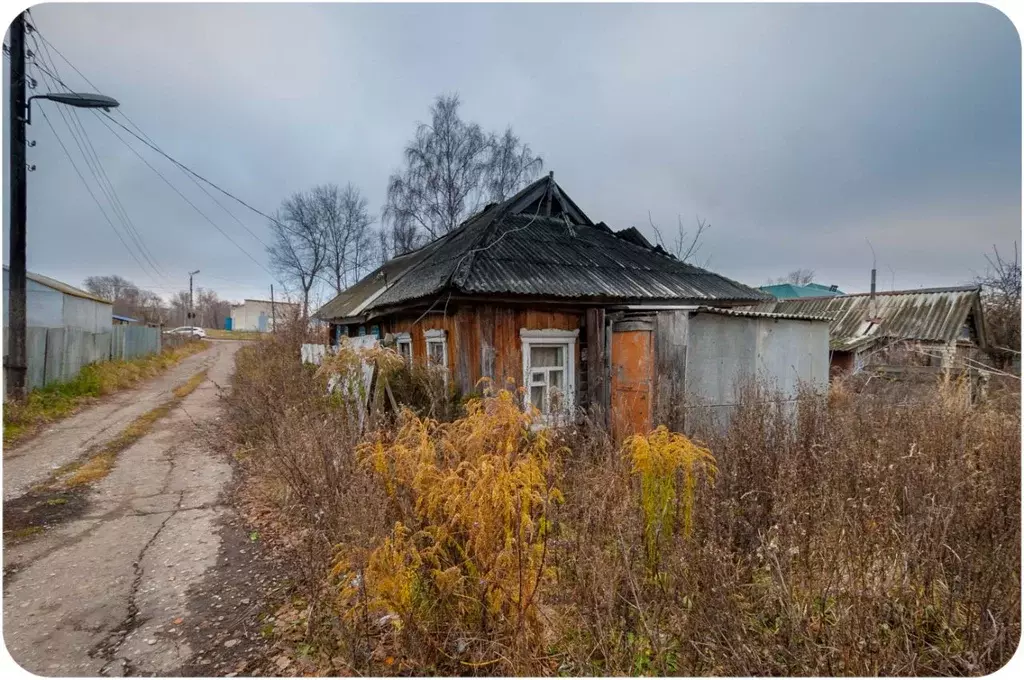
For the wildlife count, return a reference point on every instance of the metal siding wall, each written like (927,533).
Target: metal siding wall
(58,354)
(44,305)
(54,355)
(36,351)
(726,354)
(89,315)
(793,353)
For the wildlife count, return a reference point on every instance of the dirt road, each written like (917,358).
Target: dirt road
(109,591)
(68,439)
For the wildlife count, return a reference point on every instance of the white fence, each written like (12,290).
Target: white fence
(58,354)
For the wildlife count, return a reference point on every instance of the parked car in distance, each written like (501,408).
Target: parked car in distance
(194,331)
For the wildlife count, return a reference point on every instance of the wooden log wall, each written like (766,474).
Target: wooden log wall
(483,339)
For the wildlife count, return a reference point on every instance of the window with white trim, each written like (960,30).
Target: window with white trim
(437,347)
(403,344)
(549,370)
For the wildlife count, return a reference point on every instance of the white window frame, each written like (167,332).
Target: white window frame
(551,337)
(403,339)
(435,335)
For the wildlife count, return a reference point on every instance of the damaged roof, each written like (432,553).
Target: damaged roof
(927,314)
(537,243)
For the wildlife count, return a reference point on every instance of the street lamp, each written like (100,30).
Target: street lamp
(15,360)
(191,314)
(81,100)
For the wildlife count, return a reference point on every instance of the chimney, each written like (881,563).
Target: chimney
(871,306)
(546,204)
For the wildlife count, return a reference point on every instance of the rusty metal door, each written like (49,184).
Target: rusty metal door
(632,369)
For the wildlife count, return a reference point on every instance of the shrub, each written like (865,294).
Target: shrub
(468,553)
(850,536)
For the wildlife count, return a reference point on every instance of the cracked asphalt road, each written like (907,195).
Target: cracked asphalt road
(66,440)
(100,595)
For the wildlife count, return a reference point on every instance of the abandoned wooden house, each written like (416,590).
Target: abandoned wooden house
(534,292)
(932,327)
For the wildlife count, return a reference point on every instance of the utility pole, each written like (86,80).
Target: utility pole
(191,314)
(16,360)
(273,310)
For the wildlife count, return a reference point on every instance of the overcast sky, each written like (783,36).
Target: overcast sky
(799,132)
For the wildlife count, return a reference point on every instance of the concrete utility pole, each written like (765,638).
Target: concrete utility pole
(16,361)
(273,311)
(191,314)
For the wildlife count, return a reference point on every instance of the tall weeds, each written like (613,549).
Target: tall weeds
(848,536)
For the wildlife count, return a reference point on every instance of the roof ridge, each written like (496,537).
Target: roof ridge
(908,291)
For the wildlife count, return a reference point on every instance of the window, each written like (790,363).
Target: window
(437,348)
(549,369)
(403,343)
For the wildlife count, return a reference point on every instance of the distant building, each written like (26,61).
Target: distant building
(791,291)
(939,327)
(54,304)
(259,315)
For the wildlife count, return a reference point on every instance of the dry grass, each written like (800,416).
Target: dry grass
(54,402)
(221,334)
(848,536)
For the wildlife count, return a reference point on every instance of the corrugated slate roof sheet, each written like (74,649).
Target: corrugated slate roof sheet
(931,314)
(63,287)
(507,250)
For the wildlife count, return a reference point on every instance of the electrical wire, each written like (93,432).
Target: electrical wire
(89,189)
(193,175)
(161,175)
(186,199)
(96,165)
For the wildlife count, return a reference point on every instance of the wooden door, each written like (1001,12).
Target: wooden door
(632,362)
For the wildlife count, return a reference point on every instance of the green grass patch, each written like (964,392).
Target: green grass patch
(48,404)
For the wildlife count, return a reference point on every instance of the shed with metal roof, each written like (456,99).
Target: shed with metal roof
(54,304)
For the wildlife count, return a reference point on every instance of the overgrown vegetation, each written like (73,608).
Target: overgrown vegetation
(849,536)
(59,400)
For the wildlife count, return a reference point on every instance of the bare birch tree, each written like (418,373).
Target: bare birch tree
(685,243)
(451,167)
(299,251)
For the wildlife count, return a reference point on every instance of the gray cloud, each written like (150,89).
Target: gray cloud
(798,131)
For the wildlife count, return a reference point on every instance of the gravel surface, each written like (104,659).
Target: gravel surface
(154,574)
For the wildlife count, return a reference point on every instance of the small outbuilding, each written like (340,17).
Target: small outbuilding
(55,304)
(934,327)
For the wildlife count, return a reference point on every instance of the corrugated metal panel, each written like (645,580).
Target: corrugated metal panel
(747,313)
(62,287)
(501,251)
(933,314)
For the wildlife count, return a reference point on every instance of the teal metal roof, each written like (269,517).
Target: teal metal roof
(789,291)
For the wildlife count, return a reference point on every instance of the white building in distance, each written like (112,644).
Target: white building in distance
(259,315)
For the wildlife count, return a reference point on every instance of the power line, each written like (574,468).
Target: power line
(89,189)
(188,171)
(186,199)
(109,190)
(148,141)
(195,174)
(95,166)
